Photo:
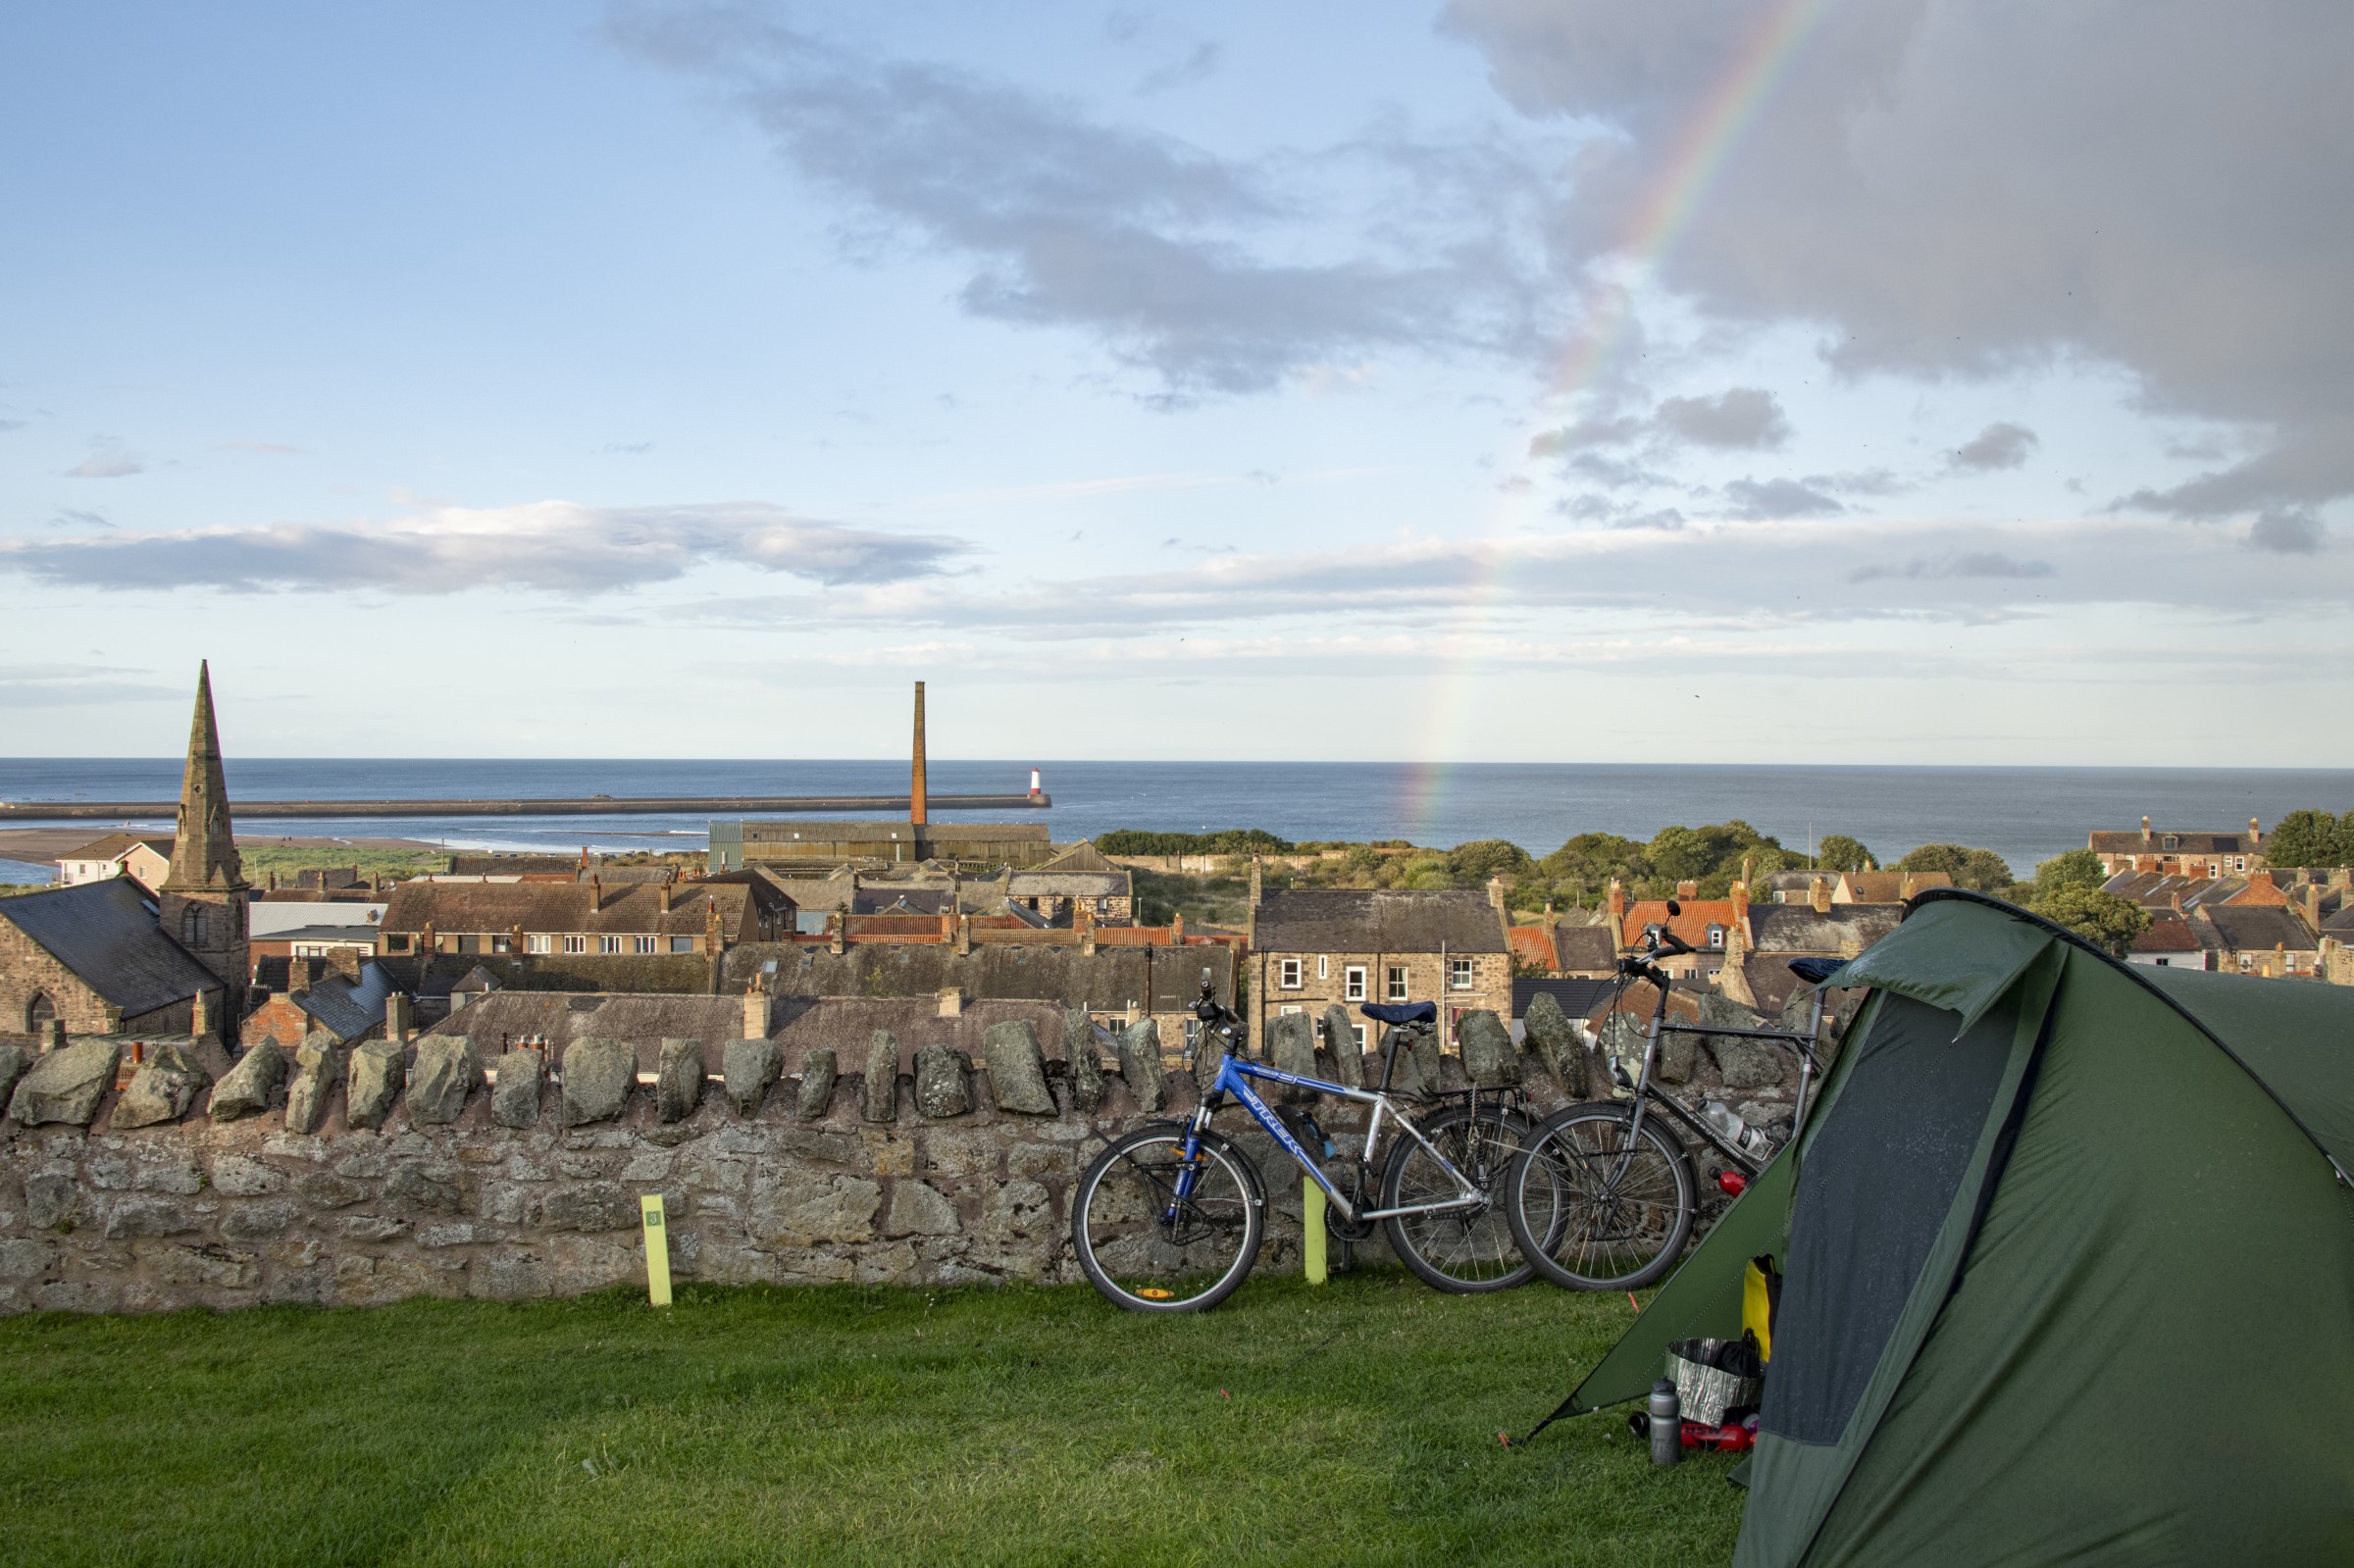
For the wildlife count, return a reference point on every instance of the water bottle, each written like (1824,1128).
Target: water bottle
(1667,1424)
(1725,1119)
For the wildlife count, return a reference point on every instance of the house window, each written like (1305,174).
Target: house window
(608,945)
(1290,1008)
(1458,974)
(1353,983)
(2239,861)
(536,943)
(1357,1032)
(641,944)
(2247,963)
(395,944)
(682,945)
(1396,991)
(1323,966)
(502,945)
(1193,1033)
(192,926)
(2171,842)
(1715,936)
(1287,973)
(576,944)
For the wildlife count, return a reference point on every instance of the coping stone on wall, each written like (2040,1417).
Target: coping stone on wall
(1017,1068)
(882,1102)
(247,1088)
(1340,1037)
(378,1068)
(166,1084)
(678,1080)
(1082,1061)
(752,1068)
(317,1069)
(445,1073)
(939,1086)
(515,1099)
(598,1077)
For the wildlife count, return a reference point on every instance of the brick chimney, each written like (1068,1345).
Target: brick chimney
(1818,894)
(756,1013)
(838,929)
(200,1020)
(964,933)
(916,806)
(596,892)
(301,975)
(662,899)
(2255,835)
(1177,928)
(397,1017)
(1616,903)
(2145,832)
(951,1002)
(1687,889)
(1084,918)
(2313,907)
(427,942)
(1741,911)
(714,940)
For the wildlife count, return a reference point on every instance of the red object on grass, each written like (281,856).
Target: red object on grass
(1739,1438)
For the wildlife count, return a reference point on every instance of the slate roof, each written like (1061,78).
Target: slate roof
(1160,979)
(554,907)
(2259,928)
(2131,842)
(1350,920)
(2167,934)
(1846,929)
(1576,997)
(106,934)
(346,1010)
(114,845)
(1587,947)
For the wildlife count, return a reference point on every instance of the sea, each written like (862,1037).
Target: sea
(2026,815)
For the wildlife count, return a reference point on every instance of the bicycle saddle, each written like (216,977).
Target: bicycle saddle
(1401,1012)
(1814,971)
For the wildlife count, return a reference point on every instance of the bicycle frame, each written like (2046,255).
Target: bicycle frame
(1234,1076)
(1648,1093)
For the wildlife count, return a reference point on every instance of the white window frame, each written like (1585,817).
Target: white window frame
(1289,1009)
(1357,1031)
(688,941)
(644,946)
(1323,966)
(1717,938)
(1353,983)
(1288,973)
(536,942)
(1461,974)
(576,944)
(608,945)
(1398,984)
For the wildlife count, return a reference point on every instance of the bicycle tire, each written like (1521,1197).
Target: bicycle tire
(1625,1236)
(1472,1251)
(1141,1255)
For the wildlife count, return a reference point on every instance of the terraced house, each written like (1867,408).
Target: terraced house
(547,918)
(1312,947)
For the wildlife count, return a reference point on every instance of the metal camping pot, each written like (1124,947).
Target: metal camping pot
(1667,1424)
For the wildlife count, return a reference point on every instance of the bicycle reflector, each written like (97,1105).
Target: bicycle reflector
(1154,1292)
(1732,1184)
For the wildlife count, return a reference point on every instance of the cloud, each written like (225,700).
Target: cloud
(555,546)
(625,448)
(1592,431)
(2286,532)
(1777,499)
(262,448)
(72,518)
(106,462)
(6,426)
(1998,445)
(1874,199)
(1212,274)
(1743,419)
(1975,564)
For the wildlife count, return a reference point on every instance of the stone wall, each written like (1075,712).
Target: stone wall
(935,1182)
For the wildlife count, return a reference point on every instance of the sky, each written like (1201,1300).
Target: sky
(1948,381)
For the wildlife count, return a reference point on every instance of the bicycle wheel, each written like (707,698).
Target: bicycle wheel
(1593,1211)
(1469,1251)
(1149,1250)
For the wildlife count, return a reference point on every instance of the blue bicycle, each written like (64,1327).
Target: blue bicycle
(1169,1218)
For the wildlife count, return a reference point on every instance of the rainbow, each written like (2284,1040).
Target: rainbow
(1700,153)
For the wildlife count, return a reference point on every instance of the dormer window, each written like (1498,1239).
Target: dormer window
(1717,936)
(2172,843)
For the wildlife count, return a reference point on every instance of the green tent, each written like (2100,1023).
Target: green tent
(2069,1267)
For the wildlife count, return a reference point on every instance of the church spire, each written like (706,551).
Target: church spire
(204,853)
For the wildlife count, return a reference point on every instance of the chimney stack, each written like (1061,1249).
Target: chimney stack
(200,1020)
(662,899)
(396,1018)
(915,790)
(1818,894)
(300,976)
(2255,835)
(596,892)
(951,1002)
(756,1013)
(2145,832)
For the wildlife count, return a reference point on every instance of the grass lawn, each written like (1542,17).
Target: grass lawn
(1354,1423)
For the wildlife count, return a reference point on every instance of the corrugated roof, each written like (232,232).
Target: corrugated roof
(106,934)
(1387,920)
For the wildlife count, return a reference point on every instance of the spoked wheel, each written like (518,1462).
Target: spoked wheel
(1465,1251)
(1592,1210)
(1147,1248)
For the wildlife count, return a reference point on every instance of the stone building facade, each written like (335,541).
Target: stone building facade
(1311,947)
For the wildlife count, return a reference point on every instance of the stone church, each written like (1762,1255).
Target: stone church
(108,958)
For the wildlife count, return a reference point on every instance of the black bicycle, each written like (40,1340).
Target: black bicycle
(1605,1195)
